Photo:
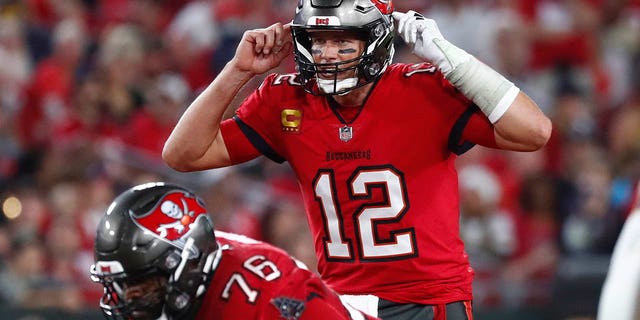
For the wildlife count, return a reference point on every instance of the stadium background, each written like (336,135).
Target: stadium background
(90,89)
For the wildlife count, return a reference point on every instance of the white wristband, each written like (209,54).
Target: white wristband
(488,89)
(504,104)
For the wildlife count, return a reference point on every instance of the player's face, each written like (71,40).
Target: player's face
(334,47)
(145,296)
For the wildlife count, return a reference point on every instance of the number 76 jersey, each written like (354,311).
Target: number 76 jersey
(379,185)
(258,281)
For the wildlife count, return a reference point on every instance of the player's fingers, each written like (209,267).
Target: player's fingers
(269,40)
(405,21)
(397,15)
(408,27)
(279,37)
(401,23)
(286,33)
(258,38)
(414,32)
(278,30)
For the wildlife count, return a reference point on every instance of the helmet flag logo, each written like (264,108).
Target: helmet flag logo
(172,218)
(385,6)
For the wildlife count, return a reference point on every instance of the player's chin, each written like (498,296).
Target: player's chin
(143,315)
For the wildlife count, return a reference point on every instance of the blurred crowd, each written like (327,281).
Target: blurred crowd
(90,90)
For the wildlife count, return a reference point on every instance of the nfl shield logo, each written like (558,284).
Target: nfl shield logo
(346,133)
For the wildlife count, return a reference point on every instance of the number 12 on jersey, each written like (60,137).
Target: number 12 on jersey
(399,244)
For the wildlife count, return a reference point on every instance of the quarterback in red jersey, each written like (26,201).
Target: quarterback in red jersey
(157,256)
(373,145)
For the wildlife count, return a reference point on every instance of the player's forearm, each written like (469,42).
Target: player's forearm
(195,142)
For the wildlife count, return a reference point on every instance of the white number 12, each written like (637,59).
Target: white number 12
(401,243)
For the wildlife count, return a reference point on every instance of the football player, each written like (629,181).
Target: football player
(620,297)
(157,257)
(373,144)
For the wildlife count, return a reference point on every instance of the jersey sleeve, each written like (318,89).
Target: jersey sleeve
(479,130)
(469,125)
(461,117)
(258,120)
(238,146)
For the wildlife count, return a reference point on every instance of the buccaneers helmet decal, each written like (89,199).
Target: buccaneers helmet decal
(171,219)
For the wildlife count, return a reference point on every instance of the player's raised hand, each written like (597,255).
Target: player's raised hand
(261,50)
(426,41)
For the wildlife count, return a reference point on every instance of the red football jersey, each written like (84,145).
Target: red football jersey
(255,280)
(381,189)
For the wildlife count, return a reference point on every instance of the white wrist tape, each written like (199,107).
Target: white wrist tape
(488,89)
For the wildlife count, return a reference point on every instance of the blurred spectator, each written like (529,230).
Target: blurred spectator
(562,31)
(150,126)
(193,38)
(233,209)
(16,62)
(487,232)
(623,141)
(47,109)
(590,226)
(527,277)
(120,56)
(23,273)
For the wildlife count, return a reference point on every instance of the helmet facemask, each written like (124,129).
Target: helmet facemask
(140,296)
